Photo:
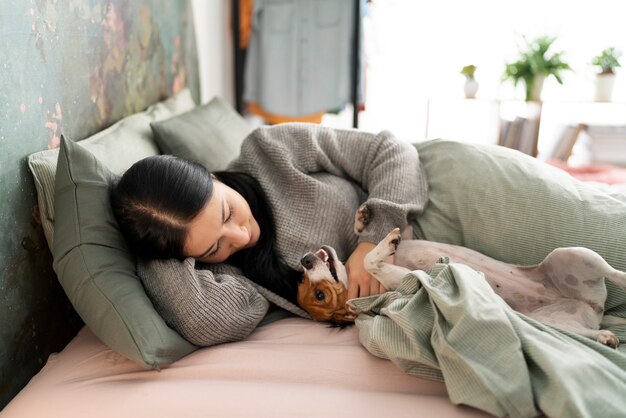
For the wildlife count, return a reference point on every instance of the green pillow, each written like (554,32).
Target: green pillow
(96,269)
(516,208)
(210,134)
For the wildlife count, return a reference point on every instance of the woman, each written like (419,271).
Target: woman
(293,188)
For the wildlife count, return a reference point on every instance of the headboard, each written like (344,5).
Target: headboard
(69,68)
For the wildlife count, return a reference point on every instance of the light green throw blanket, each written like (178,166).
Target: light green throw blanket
(451,326)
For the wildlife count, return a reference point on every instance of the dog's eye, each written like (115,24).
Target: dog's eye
(319,295)
(301,279)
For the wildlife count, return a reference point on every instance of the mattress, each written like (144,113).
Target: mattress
(290,367)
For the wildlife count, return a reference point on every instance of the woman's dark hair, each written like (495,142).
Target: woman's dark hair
(261,263)
(157,197)
(154,201)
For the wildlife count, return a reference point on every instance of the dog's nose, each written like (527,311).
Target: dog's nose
(307,261)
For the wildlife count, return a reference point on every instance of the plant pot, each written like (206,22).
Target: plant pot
(470,88)
(533,91)
(604,87)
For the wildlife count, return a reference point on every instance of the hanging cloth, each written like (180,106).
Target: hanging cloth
(299,57)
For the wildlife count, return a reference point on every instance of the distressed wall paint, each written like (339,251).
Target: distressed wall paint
(69,67)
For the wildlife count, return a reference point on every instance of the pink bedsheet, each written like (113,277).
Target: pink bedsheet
(292,367)
(601,173)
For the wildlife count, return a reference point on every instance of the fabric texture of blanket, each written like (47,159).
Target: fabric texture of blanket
(449,325)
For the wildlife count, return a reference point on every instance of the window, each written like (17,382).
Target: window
(415,50)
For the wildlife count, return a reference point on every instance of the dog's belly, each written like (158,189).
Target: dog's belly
(522,287)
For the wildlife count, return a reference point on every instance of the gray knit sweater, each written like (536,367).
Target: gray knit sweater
(314,178)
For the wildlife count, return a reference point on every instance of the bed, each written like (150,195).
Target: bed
(287,366)
(126,361)
(290,367)
(284,367)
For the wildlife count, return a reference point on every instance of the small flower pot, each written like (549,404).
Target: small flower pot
(470,88)
(604,87)
(533,92)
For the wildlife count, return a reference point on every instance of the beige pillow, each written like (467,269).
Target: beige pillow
(118,147)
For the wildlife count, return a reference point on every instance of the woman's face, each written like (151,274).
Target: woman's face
(224,226)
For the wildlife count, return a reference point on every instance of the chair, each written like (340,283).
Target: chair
(520,133)
(565,143)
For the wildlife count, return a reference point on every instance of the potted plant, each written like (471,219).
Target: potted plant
(535,63)
(471,85)
(607,61)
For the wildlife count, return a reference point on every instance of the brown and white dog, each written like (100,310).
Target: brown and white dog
(566,290)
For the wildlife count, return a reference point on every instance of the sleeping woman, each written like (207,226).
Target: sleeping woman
(214,247)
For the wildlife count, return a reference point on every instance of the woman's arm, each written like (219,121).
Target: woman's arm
(387,169)
(205,307)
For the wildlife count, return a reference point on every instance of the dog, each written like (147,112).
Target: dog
(566,290)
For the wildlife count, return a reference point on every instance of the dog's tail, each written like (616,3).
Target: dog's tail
(612,321)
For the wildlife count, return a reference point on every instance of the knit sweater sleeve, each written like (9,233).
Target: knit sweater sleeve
(388,170)
(204,306)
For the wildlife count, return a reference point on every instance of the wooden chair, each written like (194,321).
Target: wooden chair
(565,143)
(521,134)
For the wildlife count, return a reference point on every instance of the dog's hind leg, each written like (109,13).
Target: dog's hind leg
(583,264)
(612,321)
(575,316)
(616,276)
(603,336)
(388,274)
(598,265)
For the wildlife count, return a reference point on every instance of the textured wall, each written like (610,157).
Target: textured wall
(68,67)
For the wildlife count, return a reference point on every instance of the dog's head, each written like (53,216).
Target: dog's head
(323,290)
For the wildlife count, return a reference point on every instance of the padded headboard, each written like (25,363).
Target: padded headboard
(69,68)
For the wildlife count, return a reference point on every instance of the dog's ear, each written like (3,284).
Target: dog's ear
(343,316)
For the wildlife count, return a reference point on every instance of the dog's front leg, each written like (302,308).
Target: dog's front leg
(361,218)
(388,274)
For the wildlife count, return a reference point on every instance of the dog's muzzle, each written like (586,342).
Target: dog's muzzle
(308,260)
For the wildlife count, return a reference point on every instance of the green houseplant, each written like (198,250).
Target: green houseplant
(607,61)
(535,63)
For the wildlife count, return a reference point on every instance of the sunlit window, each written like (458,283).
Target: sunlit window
(416,49)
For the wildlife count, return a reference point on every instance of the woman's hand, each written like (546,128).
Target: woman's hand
(360,282)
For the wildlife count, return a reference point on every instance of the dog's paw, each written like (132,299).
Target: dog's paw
(361,218)
(607,338)
(392,240)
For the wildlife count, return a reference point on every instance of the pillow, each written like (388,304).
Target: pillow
(118,147)
(516,208)
(97,270)
(513,207)
(210,134)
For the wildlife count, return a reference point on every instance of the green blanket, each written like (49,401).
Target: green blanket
(449,325)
